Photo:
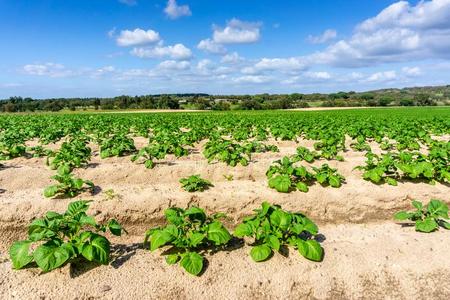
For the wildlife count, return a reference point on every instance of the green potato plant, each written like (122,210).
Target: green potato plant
(273,228)
(328,176)
(57,239)
(429,218)
(195,183)
(116,145)
(68,185)
(191,233)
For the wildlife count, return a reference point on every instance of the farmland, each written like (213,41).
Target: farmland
(340,176)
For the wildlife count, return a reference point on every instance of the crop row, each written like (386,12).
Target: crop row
(61,238)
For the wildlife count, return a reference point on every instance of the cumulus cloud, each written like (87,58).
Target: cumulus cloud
(231,58)
(48,69)
(237,32)
(252,79)
(211,46)
(136,37)
(292,64)
(398,33)
(177,51)
(411,71)
(326,36)
(174,65)
(175,11)
(382,76)
(318,75)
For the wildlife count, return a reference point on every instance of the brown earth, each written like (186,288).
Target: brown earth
(367,254)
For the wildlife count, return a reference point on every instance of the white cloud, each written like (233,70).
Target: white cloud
(400,32)
(231,58)
(48,69)
(174,65)
(326,36)
(252,79)
(210,46)
(103,71)
(412,71)
(382,76)
(318,75)
(177,51)
(281,64)
(237,32)
(137,37)
(128,2)
(174,11)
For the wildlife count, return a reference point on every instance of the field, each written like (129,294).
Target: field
(349,171)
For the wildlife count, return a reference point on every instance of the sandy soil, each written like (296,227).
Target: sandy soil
(367,255)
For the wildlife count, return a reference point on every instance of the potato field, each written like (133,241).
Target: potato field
(331,204)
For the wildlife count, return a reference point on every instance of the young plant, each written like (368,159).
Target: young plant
(68,185)
(190,233)
(195,183)
(273,228)
(326,175)
(429,218)
(284,176)
(116,145)
(305,154)
(58,239)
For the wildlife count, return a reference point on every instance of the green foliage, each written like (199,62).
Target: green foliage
(273,228)
(429,218)
(195,183)
(285,177)
(305,154)
(328,176)
(73,153)
(68,185)
(190,232)
(116,145)
(57,239)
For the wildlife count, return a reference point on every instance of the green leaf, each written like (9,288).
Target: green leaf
(260,253)
(274,242)
(427,225)
(196,238)
(281,183)
(310,249)
(280,219)
(301,186)
(310,226)
(50,256)
(437,208)
(242,230)
(51,191)
(172,215)
(334,181)
(195,213)
(77,207)
(445,224)
(192,262)
(19,254)
(391,181)
(159,238)
(218,234)
(172,259)
(87,220)
(417,205)
(402,215)
(114,227)
(97,249)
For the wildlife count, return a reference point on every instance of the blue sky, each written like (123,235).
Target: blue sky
(83,48)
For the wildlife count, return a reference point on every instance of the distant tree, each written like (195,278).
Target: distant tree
(385,101)
(406,102)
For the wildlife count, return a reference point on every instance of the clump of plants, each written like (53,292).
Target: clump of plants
(68,185)
(273,228)
(190,233)
(195,183)
(116,145)
(285,177)
(426,218)
(57,239)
